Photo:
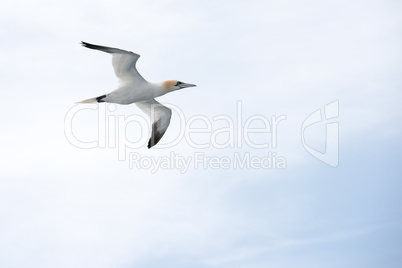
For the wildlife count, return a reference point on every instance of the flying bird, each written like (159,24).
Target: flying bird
(133,88)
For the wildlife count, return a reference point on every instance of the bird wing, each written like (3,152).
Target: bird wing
(160,115)
(123,63)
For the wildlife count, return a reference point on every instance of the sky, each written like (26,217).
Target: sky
(287,153)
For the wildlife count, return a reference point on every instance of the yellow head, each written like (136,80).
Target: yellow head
(172,85)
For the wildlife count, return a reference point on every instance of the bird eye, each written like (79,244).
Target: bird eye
(178,83)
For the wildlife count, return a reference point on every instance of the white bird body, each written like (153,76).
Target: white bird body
(131,93)
(133,88)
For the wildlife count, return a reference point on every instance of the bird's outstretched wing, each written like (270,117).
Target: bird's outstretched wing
(123,63)
(161,116)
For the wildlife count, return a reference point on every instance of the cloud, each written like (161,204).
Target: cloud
(65,206)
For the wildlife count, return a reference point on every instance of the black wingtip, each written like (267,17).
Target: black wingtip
(149,144)
(85,44)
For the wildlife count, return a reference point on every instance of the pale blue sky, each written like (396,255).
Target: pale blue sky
(62,206)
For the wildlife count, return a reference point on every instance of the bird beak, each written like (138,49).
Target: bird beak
(183,85)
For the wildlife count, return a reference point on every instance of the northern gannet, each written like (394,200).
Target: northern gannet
(135,89)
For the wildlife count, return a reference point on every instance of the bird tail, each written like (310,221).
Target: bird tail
(94,100)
